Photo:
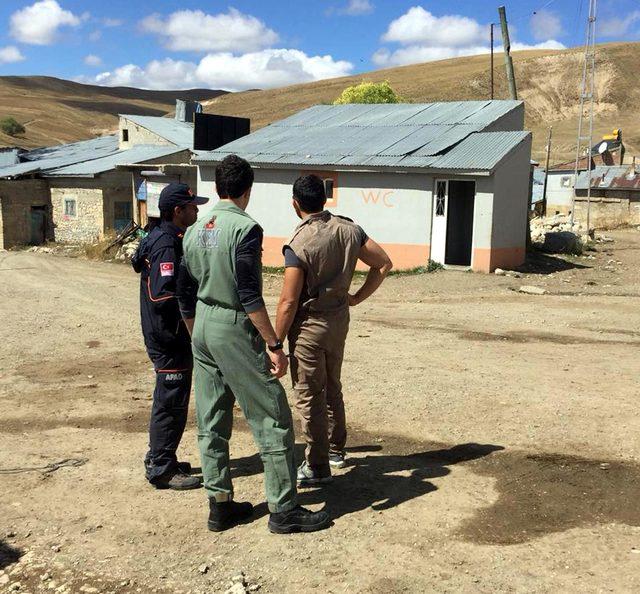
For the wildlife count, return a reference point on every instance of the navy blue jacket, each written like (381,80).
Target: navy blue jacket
(165,335)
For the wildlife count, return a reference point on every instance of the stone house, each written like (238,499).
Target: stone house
(82,191)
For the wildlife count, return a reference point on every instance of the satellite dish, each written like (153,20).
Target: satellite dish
(602,147)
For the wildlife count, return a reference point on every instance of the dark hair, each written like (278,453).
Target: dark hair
(308,190)
(234,177)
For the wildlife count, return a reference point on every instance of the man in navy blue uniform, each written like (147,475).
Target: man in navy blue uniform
(166,337)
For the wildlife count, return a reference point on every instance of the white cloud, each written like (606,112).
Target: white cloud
(545,24)
(265,69)
(414,54)
(92,60)
(194,30)
(357,8)
(39,23)
(424,37)
(107,22)
(95,35)
(158,74)
(419,27)
(10,54)
(550,44)
(268,69)
(616,27)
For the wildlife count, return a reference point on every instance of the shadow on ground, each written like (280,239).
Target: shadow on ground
(540,263)
(373,481)
(537,494)
(8,554)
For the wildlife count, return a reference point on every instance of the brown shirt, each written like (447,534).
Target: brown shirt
(327,247)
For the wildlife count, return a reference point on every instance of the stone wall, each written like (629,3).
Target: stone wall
(87,225)
(16,199)
(608,212)
(137,135)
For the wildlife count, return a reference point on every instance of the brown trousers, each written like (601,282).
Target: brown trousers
(316,344)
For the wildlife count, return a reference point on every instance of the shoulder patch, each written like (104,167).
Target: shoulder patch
(344,218)
(166,269)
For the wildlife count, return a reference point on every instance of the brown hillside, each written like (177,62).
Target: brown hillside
(548,81)
(56,111)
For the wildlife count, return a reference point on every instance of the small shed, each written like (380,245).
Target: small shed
(447,182)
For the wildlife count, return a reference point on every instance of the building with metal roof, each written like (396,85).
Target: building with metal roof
(615,195)
(78,192)
(444,181)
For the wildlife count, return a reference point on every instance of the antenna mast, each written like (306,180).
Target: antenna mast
(587,91)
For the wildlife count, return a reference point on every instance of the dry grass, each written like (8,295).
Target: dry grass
(55,111)
(548,81)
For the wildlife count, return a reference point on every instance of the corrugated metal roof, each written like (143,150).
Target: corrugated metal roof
(61,156)
(385,135)
(136,154)
(481,151)
(179,133)
(613,177)
(9,156)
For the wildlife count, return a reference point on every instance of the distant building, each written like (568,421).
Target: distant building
(615,196)
(80,192)
(448,182)
(561,179)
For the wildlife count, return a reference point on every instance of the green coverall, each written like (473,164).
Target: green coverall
(230,363)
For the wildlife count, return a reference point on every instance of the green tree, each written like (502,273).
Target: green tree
(11,126)
(369,92)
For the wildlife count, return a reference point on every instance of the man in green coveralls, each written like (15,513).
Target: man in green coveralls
(237,356)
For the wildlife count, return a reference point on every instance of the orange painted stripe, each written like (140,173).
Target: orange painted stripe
(159,298)
(172,370)
(488,259)
(402,255)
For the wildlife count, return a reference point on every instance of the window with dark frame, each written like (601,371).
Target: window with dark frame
(70,207)
(328,188)
(440,198)
(125,135)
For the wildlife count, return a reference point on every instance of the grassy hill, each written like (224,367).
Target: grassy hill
(56,111)
(548,82)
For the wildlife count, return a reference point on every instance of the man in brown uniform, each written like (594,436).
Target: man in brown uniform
(313,311)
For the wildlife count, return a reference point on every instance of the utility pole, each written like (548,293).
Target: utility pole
(587,91)
(508,62)
(491,61)
(546,174)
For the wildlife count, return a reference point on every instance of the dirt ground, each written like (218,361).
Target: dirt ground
(493,448)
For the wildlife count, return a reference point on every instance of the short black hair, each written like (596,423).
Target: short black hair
(167,215)
(308,190)
(234,177)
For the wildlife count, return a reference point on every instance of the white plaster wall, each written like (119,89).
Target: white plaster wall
(556,193)
(391,207)
(483,212)
(511,197)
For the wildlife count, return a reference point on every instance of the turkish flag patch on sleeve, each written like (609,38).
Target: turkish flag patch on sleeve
(166,268)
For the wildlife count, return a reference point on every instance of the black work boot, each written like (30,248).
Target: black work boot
(178,481)
(298,519)
(227,514)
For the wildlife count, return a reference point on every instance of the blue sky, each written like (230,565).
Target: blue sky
(261,44)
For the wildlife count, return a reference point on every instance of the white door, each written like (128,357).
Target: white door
(439,221)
